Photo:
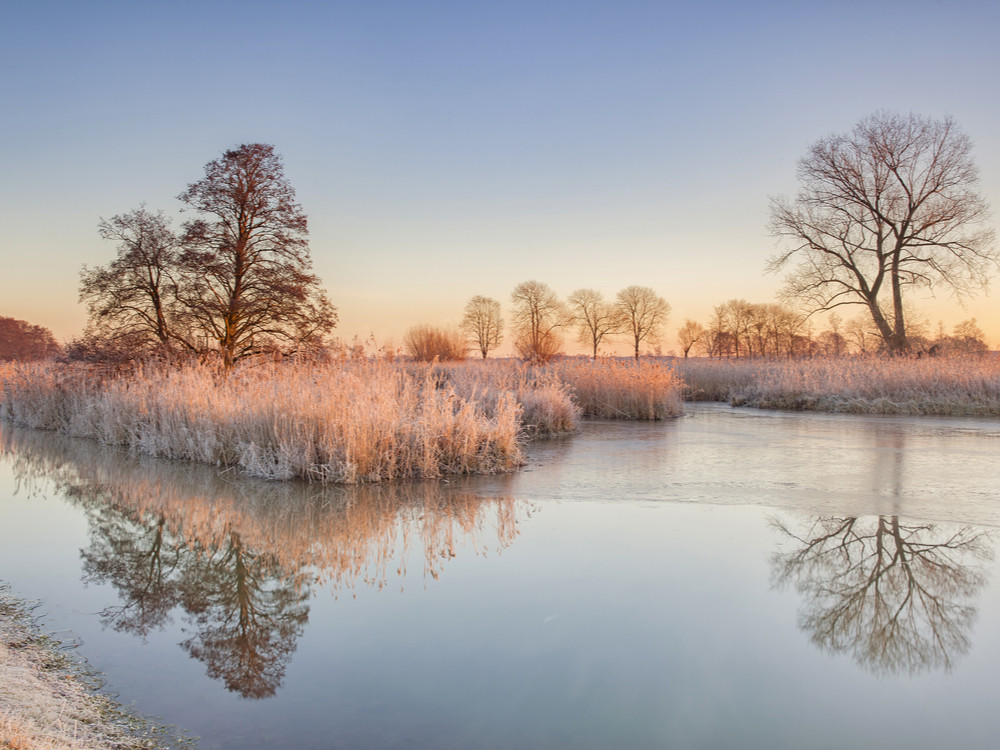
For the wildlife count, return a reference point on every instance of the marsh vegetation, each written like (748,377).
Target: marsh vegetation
(348,422)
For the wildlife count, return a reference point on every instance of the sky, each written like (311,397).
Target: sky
(443,150)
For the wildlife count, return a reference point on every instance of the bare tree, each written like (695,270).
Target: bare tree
(737,316)
(861,332)
(249,283)
(538,316)
(483,323)
(969,338)
(595,318)
(643,313)
(133,298)
(890,205)
(689,334)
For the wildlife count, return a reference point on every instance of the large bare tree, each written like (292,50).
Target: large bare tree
(890,205)
(595,318)
(133,298)
(643,313)
(249,280)
(538,316)
(483,323)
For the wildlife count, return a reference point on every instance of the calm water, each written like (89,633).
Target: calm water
(731,579)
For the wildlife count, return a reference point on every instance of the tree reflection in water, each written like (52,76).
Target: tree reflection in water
(897,596)
(249,616)
(239,558)
(141,560)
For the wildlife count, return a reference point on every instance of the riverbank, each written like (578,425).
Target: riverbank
(947,386)
(50,700)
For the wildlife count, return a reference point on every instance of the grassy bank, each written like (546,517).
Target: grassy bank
(957,386)
(343,422)
(48,701)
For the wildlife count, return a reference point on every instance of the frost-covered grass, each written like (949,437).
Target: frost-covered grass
(349,422)
(555,396)
(958,386)
(48,701)
(352,422)
(624,389)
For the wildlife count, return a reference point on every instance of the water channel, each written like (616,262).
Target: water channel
(733,578)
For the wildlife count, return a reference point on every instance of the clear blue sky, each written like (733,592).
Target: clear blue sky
(447,149)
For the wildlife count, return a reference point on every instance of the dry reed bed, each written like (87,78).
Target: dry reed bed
(624,389)
(360,422)
(956,386)
(555,396)
(47,702)
(347,422)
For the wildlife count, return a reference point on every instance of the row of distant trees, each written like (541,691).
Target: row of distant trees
(739,328)
(540,320)
(890,207)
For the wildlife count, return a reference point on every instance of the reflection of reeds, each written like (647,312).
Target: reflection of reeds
(874,385)
(341,535)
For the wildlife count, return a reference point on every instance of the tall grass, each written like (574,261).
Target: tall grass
(933,386)
(547,405)
(349,422)
(359,422)
(624,389)
(555,396)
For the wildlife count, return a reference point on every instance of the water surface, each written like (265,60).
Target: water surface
(733,578)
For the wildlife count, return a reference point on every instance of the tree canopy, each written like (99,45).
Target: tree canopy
(238,279)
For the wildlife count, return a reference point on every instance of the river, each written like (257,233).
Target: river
(733,578)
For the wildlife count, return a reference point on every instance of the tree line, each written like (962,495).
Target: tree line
(637,315)
(24,341)
(890,207)
(540,321)
(738,328)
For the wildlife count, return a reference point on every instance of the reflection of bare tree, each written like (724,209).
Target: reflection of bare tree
(140,560)
(238,557)
(898,597)
(248,615)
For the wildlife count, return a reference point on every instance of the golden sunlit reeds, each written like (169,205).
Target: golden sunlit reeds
(624,389)
(352,422)
(955,386)
(349,422)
